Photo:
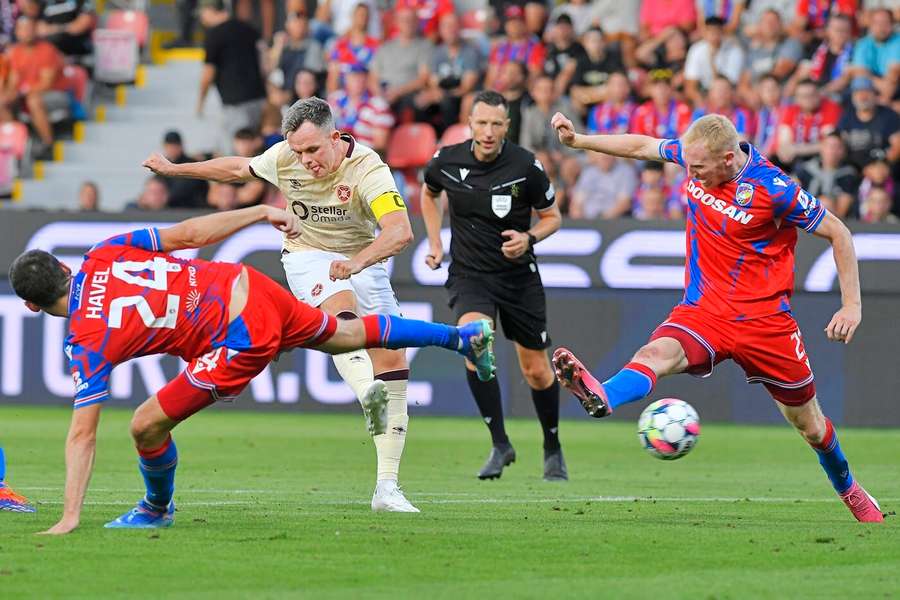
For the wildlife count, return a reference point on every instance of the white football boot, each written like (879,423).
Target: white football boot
(388,497)
(374,404)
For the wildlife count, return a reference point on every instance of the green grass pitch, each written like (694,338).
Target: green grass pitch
(277,506)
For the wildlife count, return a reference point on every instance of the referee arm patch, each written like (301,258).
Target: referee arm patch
(387,202)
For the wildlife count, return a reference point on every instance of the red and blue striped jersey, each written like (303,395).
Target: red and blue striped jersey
(130,299)
(741,236)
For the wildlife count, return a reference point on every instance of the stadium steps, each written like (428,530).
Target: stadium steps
(122,135)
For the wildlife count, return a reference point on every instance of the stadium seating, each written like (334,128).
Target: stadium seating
(130,20)
(14,138)
(455,134)
(412,146)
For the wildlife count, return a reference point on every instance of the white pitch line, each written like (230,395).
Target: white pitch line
(599,499)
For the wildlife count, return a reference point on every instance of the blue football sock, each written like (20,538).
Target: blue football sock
(633,382)
(2,467)
(158,470)
(832,459)
(387,331)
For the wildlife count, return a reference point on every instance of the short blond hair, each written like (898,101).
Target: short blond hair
(717,133)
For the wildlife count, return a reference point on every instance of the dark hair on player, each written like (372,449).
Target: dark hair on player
(315,110)
(38,277)
(491,98)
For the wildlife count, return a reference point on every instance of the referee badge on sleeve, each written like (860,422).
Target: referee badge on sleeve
(501,204)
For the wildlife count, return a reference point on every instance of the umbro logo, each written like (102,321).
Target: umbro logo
(463,173)
(780,182)
(295,184)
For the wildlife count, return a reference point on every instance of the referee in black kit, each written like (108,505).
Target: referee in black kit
(493,186)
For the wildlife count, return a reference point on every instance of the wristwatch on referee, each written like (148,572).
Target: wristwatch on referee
(532,240)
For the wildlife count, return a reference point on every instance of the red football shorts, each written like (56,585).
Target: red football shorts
(272,321)
(769,349)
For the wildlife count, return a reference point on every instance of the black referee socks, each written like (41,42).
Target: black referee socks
(487,397)
(546,405)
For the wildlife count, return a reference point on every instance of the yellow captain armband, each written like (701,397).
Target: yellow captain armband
(387,202)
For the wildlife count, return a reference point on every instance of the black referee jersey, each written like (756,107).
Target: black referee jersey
(486,198)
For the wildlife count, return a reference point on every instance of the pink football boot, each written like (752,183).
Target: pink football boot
(862,505)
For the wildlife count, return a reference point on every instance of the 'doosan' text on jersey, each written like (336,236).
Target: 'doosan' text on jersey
(740,237)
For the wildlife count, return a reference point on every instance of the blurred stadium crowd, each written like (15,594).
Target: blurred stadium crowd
(812,83)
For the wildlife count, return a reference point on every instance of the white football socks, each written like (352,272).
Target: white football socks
(390,444)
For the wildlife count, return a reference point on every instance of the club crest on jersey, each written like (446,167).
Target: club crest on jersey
(744,194)
(501,204)
(717,204)
(193,301)
(317,289)
(343,192)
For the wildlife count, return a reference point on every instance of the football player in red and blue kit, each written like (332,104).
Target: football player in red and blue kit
(742,221)
(131,298)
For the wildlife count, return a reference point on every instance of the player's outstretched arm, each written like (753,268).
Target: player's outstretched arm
(81,445)
(639,147)
(225,169)
(845,321)
(210,229)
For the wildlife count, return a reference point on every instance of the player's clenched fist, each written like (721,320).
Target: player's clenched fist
(844,323)
(286,222)
(564,128)
(157,163)
(435,256)
(343,269)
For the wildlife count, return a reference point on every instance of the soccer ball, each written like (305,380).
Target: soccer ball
(669,428)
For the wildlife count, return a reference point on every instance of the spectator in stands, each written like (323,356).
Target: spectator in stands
(354,48)
(873,5)
(293,51)
(870,131)
(233,63)
(183,193)
(68,25)
(518,46)
(652,181)
(360,113)
(876,174)
(429,14)
(88,197)
(401,66)
(730,11)
(306,85)
(828,178)
(566,178)
(536,134)
(813,16)
(878,207)
(619,21)
(666,51)
(651,205)
(454,72)
(154,196)
(512,83)
(563,53)
(770,52)
(340,17)
(658,15)
(535,18)
(186,22)
(35,67)
(720,100)
(244,10)
(593,70)
(614,114)
(9,12)
(804,123)
(828,66)
(580,13)
(877,55)
(752,17)
(604,188)
(661,116)
(270,126)
(715,54)
(228,196)
(768,113)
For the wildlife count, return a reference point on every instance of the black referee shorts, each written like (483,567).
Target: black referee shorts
(518,297)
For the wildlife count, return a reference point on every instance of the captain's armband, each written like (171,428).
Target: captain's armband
(387,202)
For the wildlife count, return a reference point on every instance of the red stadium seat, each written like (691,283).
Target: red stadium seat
(456,134)
(474,20)
(75,79)
(14,138)
(130,20)
(412,146)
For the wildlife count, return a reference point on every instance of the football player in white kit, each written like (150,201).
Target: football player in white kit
(340,190)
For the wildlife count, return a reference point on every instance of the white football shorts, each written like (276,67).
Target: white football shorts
(307,276)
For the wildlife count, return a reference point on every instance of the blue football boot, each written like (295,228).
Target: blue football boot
(144,516)
(478,346)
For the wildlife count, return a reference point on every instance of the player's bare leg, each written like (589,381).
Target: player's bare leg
(819,433)
(487,397)
(379,378)
(658,358)
(158,458)
(545,395)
